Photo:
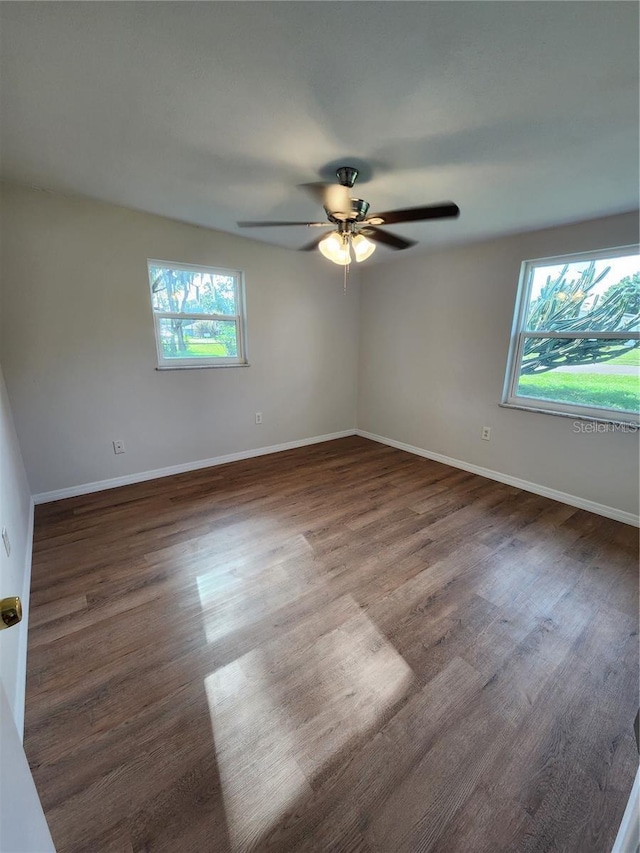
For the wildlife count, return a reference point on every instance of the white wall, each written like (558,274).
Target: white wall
(23,828)
(16,514)
(434,337)
(79,356)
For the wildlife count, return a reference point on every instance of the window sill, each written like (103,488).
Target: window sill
(633,426)
(201,366)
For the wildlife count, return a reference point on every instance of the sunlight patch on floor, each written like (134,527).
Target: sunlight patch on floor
(285,713)
(239,596)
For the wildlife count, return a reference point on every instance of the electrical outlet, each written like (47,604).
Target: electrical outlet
(118,446)
(486,433)
(258,417)
(5,539)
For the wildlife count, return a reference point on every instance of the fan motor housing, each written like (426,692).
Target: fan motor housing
(359,208)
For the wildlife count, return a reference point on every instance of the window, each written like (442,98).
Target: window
(198,314)
(574,348)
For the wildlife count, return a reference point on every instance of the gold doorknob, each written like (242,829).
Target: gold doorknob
(10,612)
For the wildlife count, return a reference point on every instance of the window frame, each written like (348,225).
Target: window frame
(239,318)
(519,334)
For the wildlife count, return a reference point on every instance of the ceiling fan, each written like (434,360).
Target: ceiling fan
(355,232)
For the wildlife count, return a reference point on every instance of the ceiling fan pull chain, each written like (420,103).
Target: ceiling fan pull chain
(348,243)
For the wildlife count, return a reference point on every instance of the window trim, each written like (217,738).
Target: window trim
(510,397)
(240,320)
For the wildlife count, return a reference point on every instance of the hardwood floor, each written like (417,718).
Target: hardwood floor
(337,648)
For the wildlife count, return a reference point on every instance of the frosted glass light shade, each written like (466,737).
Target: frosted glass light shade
(334,247)
(362,248)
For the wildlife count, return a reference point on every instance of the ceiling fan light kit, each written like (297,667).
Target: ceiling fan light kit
(362,248)
(336,248)
(343,247)
(354,229)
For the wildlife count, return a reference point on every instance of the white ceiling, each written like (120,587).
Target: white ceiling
(525,114)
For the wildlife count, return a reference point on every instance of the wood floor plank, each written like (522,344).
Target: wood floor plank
(337,813)
(458,765)
(337,648)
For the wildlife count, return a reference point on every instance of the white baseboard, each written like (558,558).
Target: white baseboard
(526,485)
(21,676)
(140,477)
(536,488)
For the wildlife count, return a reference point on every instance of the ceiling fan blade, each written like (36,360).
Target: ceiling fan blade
(386,237)
(444,210)
(309,247)
(338,199)
(278,224)
(317,190)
